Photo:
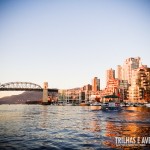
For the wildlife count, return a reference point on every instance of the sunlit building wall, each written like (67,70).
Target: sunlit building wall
(129,65)
(119,72)
(96,84)
(113,85)
(123,87)
(87,87)
(139,91)
(110,75)
(62,95)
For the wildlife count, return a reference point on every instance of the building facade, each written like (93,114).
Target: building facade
(139,91)
(110,75)
(123,89)
(129,65)
(119,72)
(95,84)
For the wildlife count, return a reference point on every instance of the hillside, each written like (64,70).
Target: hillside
(22,98)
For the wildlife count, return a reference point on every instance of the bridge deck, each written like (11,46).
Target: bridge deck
(26,89)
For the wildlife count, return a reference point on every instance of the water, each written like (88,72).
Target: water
(69,127)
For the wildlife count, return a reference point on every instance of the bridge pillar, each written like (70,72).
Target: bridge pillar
(45,94)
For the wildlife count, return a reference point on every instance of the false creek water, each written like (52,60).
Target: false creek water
(69,127)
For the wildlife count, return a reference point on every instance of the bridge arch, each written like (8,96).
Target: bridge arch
(20,85)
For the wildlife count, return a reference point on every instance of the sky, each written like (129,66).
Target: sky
(67,43)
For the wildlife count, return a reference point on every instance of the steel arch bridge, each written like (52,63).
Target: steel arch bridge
(20,86)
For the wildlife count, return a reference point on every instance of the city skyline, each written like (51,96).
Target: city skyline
(95,85)
(68,43)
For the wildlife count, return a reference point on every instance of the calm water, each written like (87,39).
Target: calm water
(69,127)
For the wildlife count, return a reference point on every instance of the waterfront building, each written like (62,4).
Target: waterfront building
(110,75)
(87,87)
(96,84)
(87,92)
(139,91)
(81,96)
(72,95)
(78,95)
(129,65)
(61,95)
(123,88)
(113,85)
(111,82)
(119,72)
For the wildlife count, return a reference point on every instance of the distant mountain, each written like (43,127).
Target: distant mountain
(22,98)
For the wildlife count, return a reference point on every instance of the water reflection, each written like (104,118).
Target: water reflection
(72,127)
(132,122)
(95,108)
(43,118)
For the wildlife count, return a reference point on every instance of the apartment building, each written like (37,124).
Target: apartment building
(119,72)
(129,65)
(110,75)
(95,84)
(139,91)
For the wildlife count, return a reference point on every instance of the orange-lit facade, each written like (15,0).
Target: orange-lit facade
(95,84)
(129,65)
(110,75)
(139,91)
(132,84)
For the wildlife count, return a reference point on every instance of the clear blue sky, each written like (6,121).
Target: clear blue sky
(68,42)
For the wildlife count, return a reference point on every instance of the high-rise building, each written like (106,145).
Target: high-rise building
(119,72)
(123,88)
(129,65)
(87,87)
(110,75)
(139,91)
(96,84)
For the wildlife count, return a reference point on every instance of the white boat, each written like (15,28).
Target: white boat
(147,105)
(113,104)
(95,104)
(122,105)
(138,105)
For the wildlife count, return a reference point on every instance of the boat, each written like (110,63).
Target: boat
(147,105)
(95,104)
(138,105)
(124,105)
(111,103)
(84,103)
